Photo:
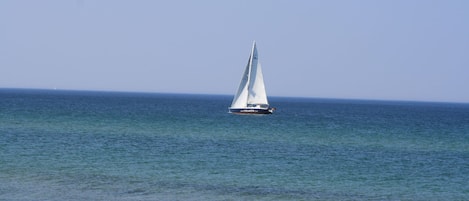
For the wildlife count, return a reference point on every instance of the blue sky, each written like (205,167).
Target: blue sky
(393,50)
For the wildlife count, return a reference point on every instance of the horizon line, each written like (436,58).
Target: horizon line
(222,94)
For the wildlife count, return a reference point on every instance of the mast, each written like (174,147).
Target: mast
(256,87)
(251,57)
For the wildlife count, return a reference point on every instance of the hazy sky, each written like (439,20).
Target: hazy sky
(397,50)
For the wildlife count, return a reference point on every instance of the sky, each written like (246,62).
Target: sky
(353,49)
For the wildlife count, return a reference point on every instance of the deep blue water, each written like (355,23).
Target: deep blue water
(76,145)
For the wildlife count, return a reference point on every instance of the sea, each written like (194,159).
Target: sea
(88,145)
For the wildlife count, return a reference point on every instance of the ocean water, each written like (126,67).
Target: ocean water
(74,145)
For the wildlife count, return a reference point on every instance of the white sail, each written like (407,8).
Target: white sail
(251,90)
(241,97)
(257,94)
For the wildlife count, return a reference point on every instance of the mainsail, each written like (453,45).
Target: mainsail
(251,90)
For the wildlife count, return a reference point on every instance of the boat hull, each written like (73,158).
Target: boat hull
(251,111)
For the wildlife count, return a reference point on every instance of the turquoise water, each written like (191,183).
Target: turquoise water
(72,145)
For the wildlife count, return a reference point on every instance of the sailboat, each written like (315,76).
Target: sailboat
(251,97)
